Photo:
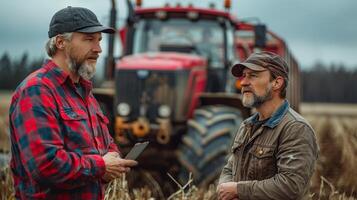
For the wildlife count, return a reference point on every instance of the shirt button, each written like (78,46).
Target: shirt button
(260,152)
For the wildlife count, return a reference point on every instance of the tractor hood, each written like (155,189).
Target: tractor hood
(161,61)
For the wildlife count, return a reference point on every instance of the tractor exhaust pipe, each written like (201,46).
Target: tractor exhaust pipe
(110,63)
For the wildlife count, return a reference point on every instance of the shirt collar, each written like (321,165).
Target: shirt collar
(61,76)
(86,84)
(274,119)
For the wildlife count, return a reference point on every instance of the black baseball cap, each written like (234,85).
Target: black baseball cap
(76,19)
(262,61)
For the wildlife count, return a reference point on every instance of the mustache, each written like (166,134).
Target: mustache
(246,89)
(93,56)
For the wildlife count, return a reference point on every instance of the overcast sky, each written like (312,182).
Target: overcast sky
(317,30)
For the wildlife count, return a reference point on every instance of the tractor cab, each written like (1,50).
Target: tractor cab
(203,37)
(206,33)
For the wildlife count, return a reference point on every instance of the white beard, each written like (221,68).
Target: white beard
(254,101)
(248,101)
(85,70)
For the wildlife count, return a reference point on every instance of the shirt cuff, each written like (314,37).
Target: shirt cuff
(99,165)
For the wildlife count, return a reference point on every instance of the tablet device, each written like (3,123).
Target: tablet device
(136,150)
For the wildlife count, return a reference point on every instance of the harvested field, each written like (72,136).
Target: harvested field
(329,109)
(336,129)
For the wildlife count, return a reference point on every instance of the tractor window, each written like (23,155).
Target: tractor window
(203,37)
(230,43)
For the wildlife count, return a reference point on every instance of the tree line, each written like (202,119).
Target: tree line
(12,72)
(330,84)
(319,83)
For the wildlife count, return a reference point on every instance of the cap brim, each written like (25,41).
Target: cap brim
(96,29)
(237,69)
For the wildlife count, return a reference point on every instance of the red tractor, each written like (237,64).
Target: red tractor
(173,87)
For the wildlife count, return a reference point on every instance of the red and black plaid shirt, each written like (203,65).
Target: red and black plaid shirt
(58,137)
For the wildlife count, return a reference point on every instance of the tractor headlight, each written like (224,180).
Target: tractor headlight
(164,111)
(123,109)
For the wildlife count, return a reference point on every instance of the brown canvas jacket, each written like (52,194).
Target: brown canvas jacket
(276,161)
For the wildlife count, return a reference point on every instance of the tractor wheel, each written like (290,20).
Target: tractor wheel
(203,150)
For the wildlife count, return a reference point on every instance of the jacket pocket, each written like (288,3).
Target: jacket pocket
(263,162)
(70,114)
(76,129)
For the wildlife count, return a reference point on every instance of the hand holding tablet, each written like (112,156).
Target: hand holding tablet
(136,150)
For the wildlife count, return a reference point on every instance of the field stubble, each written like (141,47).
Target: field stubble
(336,129)
(4,122)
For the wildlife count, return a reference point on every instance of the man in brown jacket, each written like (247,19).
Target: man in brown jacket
(275,150)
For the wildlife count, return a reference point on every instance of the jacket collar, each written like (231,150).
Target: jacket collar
(275,119)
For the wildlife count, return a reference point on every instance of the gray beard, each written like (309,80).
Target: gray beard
(257,101)
(84,70)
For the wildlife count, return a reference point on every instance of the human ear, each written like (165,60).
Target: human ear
(60,42)
(278,82)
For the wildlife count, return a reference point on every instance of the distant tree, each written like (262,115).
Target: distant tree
(334,83)
(5,71)
(13,72)
(35,64)
(20,70)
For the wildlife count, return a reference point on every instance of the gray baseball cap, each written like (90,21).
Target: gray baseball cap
(262,61)
(76,19)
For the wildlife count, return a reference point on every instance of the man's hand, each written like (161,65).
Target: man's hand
(115,166)
(227,191)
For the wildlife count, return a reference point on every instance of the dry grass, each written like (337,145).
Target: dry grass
(5,97)
(6,189)
(336,130)
(337,137)
(118,189)
(328,191)
(190,191)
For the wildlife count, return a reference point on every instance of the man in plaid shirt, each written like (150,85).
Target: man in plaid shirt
(61,147)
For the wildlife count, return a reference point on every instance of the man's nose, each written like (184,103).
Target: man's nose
(97,48)
(244,81)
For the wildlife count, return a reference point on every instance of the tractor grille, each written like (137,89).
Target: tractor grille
(146,90)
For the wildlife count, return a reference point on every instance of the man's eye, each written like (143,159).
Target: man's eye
(254,75)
